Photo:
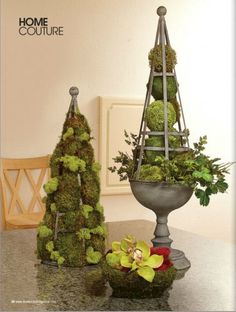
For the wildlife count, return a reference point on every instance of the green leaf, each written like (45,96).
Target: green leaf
(130,239)
(115,246)
(124,245)
(143,246)
(134,266)
(214,189)
(154,261)
(203,196)
(125,261)
(221,186)
(147,273)
(207,177)
(199,193)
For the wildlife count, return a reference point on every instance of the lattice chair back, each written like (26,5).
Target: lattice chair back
(21,188)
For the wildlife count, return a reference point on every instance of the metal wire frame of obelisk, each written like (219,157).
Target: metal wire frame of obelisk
(162,38)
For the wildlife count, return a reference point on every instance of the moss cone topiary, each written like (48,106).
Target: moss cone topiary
(72,232)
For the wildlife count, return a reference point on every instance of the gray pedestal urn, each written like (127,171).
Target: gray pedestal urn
(162,198)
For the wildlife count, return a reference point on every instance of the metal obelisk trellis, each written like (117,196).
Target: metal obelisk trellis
(162,38)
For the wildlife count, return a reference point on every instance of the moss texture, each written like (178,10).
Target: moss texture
(157,88)
(151,173)
(155,58)
(155,116)
(131,285)
(74,184)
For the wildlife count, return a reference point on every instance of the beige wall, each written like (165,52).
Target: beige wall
(104,52)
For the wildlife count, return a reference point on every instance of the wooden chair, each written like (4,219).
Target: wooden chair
(21,184)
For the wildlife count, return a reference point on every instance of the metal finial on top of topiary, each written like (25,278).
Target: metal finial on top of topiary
(72,232)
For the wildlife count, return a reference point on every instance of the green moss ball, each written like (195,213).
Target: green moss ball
(157,88)
(155,115)
(156,141)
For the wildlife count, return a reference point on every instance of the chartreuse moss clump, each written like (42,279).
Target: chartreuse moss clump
(155,58)
(72,232)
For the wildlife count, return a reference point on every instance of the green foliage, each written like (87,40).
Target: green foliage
(54,255)
(60,260)
(193,168)
(50,246)
(84,233)
(93,257)
(73,163)
(99,208)
(53,207)
(96,167)
(99,230)
(51,186)
(43,231)
(127,162)
(155,58)
(155,115)
(157,88)
(196,170)
(135,256)
(151,173)
(69,132)
(84,137)
(86,209)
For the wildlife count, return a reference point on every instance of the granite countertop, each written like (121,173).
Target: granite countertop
(27,285)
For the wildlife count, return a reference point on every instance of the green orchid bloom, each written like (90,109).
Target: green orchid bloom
(135,256)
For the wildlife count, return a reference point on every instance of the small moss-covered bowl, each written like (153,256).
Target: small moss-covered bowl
(131,285)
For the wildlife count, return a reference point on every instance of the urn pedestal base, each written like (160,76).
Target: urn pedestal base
(179,260)
(162,198)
